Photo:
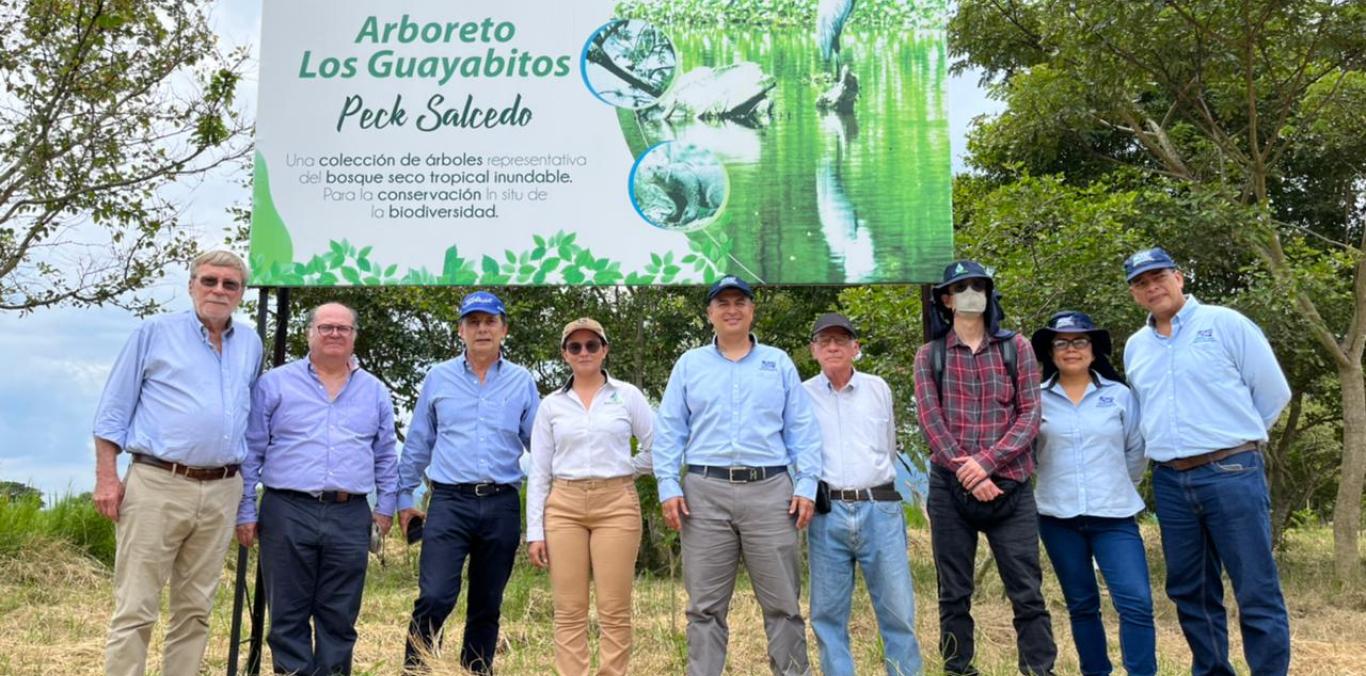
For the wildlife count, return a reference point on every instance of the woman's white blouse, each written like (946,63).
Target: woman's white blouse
(571,442)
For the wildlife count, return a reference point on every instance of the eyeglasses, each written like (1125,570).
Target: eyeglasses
(229,285)
(576,347)
(1078,343)
(974,284)
(836,340)
(334,329)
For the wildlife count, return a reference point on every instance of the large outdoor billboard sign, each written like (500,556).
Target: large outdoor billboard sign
(600,142)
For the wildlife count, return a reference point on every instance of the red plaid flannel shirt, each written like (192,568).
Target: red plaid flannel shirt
(981,413)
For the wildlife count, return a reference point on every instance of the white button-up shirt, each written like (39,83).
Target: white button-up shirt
(569,441)
(858,431)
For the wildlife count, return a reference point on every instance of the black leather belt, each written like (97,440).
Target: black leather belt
(478,490)
(884,493)
(196,473)
(738,475)
(324,496)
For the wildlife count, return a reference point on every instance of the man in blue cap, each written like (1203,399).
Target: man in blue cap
(470,426)
(736,414)
(1209,387)
(977,399)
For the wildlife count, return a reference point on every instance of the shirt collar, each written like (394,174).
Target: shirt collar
(824,380)
(716,341)
(569,384)
(1182,316)
(496,366)
(204,330)
(352,364)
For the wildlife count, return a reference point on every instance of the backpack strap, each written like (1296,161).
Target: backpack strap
(1009,353)
(938,347)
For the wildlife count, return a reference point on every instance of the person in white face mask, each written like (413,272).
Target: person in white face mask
(977,399)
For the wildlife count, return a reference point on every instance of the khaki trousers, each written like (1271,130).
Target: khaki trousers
(176,529)
(592,527)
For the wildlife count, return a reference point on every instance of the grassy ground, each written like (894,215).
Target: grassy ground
(55,603)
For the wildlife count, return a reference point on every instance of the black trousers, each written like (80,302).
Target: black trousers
(1012,530)
(487,530)
(313,558)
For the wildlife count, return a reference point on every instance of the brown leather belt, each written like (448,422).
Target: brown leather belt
(196,473)
(1183,464)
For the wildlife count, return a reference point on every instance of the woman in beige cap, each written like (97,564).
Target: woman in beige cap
(583,514)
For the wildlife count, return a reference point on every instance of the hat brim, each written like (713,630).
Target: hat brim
(942,286)
(711,295)
(1149,267)
(564,340)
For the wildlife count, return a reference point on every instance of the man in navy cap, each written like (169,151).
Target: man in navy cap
(1209,388)
(736,414)
(977,398)
(470,427)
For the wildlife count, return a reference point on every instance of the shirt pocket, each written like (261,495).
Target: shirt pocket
(1000,387)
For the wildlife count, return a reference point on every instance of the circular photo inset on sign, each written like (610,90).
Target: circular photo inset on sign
(681,187)
(628,63)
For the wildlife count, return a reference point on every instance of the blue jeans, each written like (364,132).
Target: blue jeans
(1118,549)
(1218,517)
(873,535)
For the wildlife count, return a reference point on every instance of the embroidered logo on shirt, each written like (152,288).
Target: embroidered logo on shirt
(1204,336)
(768,365)
(1105,402)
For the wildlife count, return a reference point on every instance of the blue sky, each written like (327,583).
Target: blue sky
(53,363)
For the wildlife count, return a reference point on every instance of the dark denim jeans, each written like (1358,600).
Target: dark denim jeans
(313,558)
(1218,518)
(1117,548)
(1013,533)
(487,530)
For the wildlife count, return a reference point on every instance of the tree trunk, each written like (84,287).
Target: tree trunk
(1347,510)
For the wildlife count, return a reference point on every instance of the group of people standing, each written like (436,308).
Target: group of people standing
(1030,439)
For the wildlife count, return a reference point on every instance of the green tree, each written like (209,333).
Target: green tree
(1248,112)
(107,103)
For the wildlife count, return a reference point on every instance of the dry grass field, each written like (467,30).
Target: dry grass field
(54,605)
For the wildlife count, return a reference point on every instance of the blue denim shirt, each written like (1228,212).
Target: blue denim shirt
(467,432)
(1213,384)
(748,413)
(171,395)
(1089,455)
(299,439)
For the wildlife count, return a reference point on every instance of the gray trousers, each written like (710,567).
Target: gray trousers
(730,521)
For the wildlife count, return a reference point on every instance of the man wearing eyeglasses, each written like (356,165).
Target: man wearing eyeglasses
(864,525)
(977,399)
(735,413)
(320,439)
(470,426)
(176,400)
(1209,387)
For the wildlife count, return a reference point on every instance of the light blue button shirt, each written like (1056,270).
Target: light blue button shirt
(1089,455)
(748,413)
(464,431)
(1213,384)
(301,439)
(171,395)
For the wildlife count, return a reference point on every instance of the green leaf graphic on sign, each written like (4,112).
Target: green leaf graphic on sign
(270,240)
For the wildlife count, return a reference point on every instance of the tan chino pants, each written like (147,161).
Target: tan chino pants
(592,529)
(170,528)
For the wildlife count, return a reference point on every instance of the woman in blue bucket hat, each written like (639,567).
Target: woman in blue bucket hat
(1090,460)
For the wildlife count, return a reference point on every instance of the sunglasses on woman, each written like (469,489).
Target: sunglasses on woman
(576,347)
